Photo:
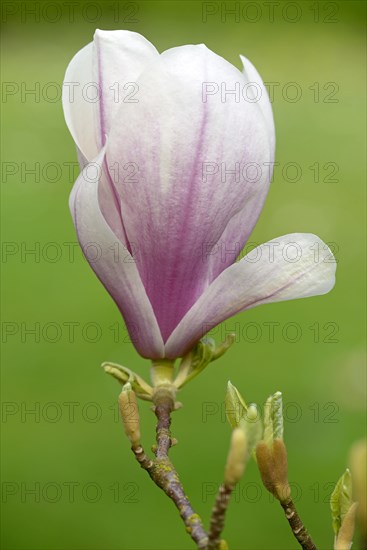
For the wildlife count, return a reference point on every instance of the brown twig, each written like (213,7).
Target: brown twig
(218,516)
(299,530)
(164,405)
(163,473)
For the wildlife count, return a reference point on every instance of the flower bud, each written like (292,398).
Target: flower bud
(346,531)
(271,452)
(273,466)
(177,125)
(281,470)
(130,414)
(236,459)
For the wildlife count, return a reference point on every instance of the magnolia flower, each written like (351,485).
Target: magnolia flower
(176,152)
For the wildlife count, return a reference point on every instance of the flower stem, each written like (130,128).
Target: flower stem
(162,471)
(164,405)
(162,372)
(218,516)
(299,530)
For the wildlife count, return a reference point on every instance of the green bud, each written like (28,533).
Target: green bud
(252,413)
(239,414)
(271,452)
(253,428)
(341,500)
(124,375)
(236,459)
(222,348)
(273,418)
(205,352)
(236,408)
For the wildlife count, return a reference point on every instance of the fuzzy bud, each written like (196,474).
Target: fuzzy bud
(346,531)
(273,466)
(130,414)
(236,459)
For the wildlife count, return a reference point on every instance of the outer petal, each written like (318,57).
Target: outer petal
(108,201)
(172,208)
(94,84)
(119,58)
(112,262)
(261,94)
(80,114)
(293,266)
(240,227)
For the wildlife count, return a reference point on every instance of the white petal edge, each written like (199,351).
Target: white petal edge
(292,266)
(252,76)
(79,113)
(115,59)
(118,60)
(112,262)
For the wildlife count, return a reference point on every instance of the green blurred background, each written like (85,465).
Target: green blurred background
(68,478)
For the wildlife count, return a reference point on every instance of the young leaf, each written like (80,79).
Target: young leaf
(341,500)
(235,406)
(273,418)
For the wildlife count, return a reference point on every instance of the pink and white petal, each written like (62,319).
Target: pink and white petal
(120,57)
(240,226)
(80,114)
(108,200)
(260,94)
(170,209)
(94,83)
(81,159)
(109,206)
(289,267)
(112,262)
(225,252)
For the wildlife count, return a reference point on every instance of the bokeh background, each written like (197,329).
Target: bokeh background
(68,478)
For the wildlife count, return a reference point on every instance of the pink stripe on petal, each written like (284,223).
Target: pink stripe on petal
(94,82)
(119,58)
(170,210)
